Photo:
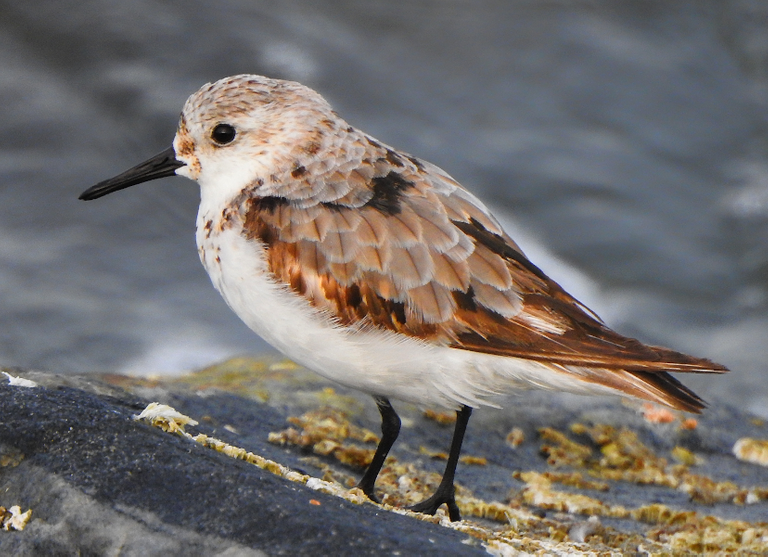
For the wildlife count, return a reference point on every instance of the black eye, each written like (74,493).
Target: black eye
(223,134)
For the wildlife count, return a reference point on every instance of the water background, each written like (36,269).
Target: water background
(624,143)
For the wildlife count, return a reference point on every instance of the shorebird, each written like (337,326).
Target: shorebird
(379,271)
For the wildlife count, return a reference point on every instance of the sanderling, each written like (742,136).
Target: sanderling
(379,271)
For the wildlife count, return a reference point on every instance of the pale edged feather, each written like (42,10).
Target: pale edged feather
(488,268)
(404,228)
(437,231)
(339,247)
(332,191)
(371,258)
(410,267)
(384,287)
(305,231)
(453,275)
(505,302)
(431,303)
(462,250)
(373,229)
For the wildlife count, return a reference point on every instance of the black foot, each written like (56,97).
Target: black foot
(444,494)
(370,494)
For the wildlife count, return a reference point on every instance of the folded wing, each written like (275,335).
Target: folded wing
(395,243)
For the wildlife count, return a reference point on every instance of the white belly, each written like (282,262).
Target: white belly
(374,361)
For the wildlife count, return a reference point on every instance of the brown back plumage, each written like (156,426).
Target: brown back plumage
(392,242)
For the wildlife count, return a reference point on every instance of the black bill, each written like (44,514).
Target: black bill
(161,165)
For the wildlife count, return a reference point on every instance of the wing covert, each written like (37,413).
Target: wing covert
(402,246)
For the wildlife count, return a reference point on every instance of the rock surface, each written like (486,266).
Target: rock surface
(100,482)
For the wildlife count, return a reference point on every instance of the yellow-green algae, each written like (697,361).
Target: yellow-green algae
(752,450)
(13,518)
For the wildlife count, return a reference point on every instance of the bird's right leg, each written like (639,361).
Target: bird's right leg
(390,428)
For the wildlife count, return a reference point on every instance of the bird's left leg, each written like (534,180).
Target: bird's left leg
(446,492)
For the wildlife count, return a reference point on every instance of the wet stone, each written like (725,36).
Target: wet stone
(271,464)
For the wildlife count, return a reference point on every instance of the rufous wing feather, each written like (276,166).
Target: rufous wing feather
(417,254)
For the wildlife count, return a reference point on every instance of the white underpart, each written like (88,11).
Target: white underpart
(375,361)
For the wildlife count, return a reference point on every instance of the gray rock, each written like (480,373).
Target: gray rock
(99,482)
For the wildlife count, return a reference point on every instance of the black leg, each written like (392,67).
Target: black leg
(390,428)
(446,491)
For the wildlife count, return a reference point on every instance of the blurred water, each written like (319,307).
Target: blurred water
(625,143)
